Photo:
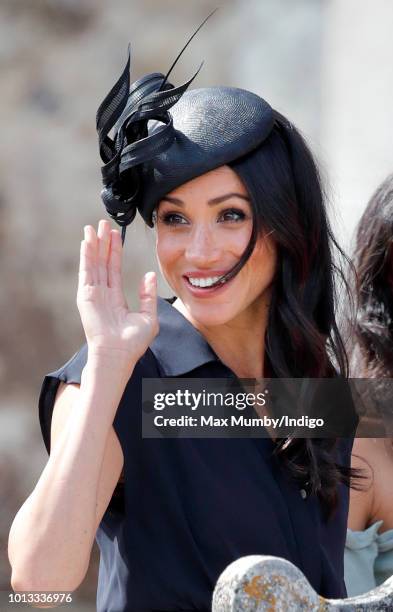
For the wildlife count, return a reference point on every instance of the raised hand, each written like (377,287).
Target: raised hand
(111,329)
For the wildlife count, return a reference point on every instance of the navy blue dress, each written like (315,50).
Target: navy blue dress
(189,507)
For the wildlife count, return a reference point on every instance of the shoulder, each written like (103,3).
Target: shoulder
(54,389)
(60,385)
(361,497)
(372,454)
(375,457)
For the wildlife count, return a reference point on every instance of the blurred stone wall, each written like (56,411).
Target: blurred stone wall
(58,59)
(356,113)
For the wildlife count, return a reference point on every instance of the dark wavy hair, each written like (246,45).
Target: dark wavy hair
(373,329)
(302,339)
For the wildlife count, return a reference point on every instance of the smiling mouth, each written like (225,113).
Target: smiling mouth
(206,283)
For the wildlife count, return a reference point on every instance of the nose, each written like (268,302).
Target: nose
(202,249)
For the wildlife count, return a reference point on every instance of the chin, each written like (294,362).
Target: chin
(210,314)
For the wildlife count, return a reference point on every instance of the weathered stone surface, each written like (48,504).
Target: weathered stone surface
(271,584)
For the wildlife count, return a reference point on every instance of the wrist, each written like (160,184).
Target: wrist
(115,361)
(103,381)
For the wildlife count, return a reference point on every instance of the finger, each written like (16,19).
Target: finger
(103,236)
(115,260)
(91,253)
(148,295)
(85,267)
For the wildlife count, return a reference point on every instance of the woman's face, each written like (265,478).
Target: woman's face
(203,227)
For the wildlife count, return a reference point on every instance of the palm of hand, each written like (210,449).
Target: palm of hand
(108,323)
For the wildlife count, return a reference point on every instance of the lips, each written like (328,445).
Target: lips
(205,274)
(205,279)
(206,291)
(205,282)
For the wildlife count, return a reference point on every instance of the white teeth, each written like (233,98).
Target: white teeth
(204,282)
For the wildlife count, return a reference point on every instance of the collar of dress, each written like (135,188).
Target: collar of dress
(179,346)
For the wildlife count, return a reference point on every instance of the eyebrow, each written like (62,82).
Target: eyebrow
(211,202)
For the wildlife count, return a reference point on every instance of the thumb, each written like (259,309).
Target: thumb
(148,295)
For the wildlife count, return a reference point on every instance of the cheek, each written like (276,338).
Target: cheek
(233,238)
(168,250)
(263,264)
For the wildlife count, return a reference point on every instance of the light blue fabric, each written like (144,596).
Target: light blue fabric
(383,567)
(361,550)
(368,559)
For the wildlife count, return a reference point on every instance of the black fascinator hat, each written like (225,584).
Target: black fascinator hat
(164,136)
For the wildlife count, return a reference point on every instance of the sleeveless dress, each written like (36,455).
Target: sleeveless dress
(189,507)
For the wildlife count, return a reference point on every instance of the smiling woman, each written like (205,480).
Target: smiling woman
(243,240)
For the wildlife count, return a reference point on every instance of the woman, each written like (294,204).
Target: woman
(243,240)
(369,545)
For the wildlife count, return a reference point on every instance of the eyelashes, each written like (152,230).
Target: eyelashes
(171,219)
(230,215)
(233,215)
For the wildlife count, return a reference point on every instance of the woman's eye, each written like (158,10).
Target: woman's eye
(172,219)
(233,215)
